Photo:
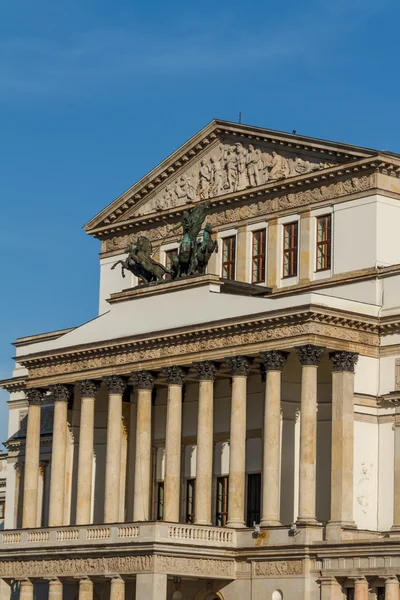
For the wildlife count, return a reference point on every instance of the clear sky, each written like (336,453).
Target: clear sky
(93,94)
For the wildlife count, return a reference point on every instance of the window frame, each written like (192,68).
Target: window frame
(325,243)
(231,262)
(167,254)
(292,251)
(221,516)
(256,477)
(259,258)
(160,503)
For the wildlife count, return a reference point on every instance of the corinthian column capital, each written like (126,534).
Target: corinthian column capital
(175,375)
(115,384)
(60,393)
(343,361)
(206,370)
(88,388)
(35,396)
(274,360)
(144,380)
(239,366)
(309,355)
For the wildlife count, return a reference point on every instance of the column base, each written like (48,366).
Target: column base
(306,521)
(207,523)
(237,524)
(270,523)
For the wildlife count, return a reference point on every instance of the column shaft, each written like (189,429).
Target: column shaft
(173,442)
(204,457)
(55,590)
(85,589)
(116,387)
(273,361)
(32,455)
(57,477)
(118,589)
(392,588)
(342,438)
(85,454)
(151,587)
(396,483)
(142,487)
(237,453)
(361,589)
(26,590)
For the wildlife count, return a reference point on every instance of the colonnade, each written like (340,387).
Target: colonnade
(273,362)
(151,586)
(331,588)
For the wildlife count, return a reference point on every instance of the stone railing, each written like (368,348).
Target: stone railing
(167,533)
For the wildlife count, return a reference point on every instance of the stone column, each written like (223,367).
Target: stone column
(342,439)
(391,588)
(273,363)
(88,390)
(116,386)
(309,357)
(32,455)
(85,589)
(118,589)
(151,586)
(205,433)
(305,248)
(273,253)
(142,489)
(239,367)
(360,588)
(55,589)
(61,394)
(172,481)
(26,590)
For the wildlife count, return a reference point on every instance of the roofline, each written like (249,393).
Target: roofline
(41,337)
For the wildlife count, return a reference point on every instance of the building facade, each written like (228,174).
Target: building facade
(231,435)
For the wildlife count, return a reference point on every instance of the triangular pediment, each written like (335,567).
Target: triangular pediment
(223,158)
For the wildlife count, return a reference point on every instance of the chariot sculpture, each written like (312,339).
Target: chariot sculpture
(192,257)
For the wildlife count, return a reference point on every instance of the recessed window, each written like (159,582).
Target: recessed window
(222,501)
(160,501)
(229,257)
(2,509)
(170,256)
(258,256)
(324,245)
(349,593)
(190,493)
(290,249)
(253,498)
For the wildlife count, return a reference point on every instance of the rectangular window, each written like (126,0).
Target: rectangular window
(290,247)
(258,256)
(229,257)
(169,257)
(2,509)
(222,501)
(380,593)
(324,227)
(253,499)
(160,501)
(349,593)
(190,492)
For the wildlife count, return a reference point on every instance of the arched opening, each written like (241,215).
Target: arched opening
(277,595)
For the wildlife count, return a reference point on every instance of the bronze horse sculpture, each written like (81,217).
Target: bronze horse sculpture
(140,262)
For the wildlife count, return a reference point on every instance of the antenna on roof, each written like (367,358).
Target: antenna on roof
(240,117)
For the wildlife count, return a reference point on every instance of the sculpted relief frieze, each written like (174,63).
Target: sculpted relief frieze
(275,568)
(231,167)
(204,342)
(254,208)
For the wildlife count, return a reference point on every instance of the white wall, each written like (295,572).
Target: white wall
(111,281)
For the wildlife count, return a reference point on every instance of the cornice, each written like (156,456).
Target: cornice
(14,384)
(209,341)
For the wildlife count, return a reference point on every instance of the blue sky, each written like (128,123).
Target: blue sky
(93,94)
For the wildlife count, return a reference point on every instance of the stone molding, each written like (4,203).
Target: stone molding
(213,340)
(175,375)
(309,355)
(60,392)
(206,370)
(115,384)
(35,396)
(239,366)
(274,360)
(343,361)
(88,388)
(144,380)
